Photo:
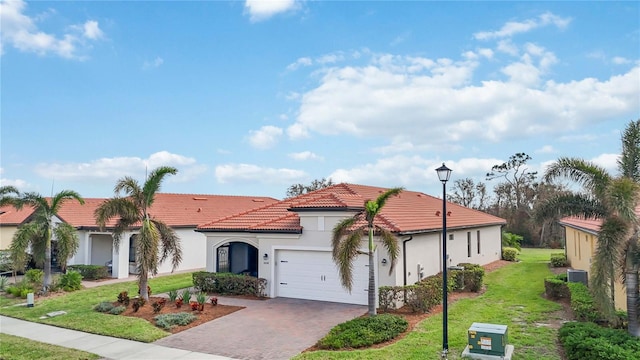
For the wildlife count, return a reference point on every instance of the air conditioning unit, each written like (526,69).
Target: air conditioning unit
(580,276)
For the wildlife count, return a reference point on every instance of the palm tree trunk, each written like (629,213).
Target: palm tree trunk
(372,276)
(142,283)
(47,262)
(631,279)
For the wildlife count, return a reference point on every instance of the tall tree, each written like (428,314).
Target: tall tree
(300,189)
(613,200)
(469,194)
(155,241)
(41,229)
(347,239)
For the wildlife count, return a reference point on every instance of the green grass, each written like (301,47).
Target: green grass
(17,348)
(513,298)
(81,316)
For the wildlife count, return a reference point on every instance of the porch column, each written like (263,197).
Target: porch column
(120,256)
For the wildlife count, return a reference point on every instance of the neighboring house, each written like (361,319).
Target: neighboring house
(10,219)
(289,242)
(581,242)
(182,212)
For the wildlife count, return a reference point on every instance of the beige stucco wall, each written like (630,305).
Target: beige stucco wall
(581,247)
(6,236)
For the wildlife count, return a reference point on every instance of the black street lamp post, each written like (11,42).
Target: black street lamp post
(443,174)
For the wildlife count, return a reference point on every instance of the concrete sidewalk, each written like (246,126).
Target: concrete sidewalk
(105,346)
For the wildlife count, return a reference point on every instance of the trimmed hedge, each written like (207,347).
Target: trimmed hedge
(71,281)
(509,253)
(555,287)
(473,277)
(363,332)
(228,283)
(582,304)
(91,272)
(588,341)
(559,260)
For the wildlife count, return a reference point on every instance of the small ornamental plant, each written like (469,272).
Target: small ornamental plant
(138,302)
(194,305)
(202,299)
(173,295)
(213,300)
(179,303)
(123,298)
(158,305)
(186,296)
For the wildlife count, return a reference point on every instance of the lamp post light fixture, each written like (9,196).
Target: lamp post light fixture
(443,174)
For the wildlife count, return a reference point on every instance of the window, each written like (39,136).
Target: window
(468,243)
(450,236)
(132,248)
(478,240)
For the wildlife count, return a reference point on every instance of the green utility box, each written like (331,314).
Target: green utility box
(488,339)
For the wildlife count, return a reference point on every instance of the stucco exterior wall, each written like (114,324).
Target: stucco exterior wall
(194,255)
(6,236)
(581,247)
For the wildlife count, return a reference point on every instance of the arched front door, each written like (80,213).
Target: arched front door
(237,258)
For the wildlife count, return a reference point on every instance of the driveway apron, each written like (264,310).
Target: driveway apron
(270,329)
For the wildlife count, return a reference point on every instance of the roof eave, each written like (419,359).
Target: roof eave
(279,231)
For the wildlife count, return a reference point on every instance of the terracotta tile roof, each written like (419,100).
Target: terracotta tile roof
(10,216)
(407,213)
(177,210)
(588,225)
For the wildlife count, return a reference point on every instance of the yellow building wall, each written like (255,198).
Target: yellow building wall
(581,247)
(6,236)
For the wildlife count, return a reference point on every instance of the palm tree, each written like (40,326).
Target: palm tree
(348,235)
(613,200)
(9,195)
(156,241)
(41,229)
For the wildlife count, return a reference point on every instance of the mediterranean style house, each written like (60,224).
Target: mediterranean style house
(289,242)
(182,212)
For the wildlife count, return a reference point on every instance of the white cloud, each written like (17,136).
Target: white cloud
(305,155)
(546,149)
(515,27)
(618,60)
(303,61)
(21,32)
(506,46)
(607,161)
(111,169)
(249,173)
(92,30)
(412,172)
(20,184)
(266,137)
(259,10)
(156,63)
(412,98)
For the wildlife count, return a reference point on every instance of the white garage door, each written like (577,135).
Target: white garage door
(313,275)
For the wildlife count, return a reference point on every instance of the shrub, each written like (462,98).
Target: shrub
(364,331)
(91,272)
(511,240)
(422,297)
(158,305)
(213,300)
(201,298)
(588,341)
(472,277)
(123,298)
(34,276)
(168,321)
(389,296)
(71,281)
(138,302)
(3,282)
(556,288)
(103,307)
(20,289)
(117,310)
(185,296)
(582,304)
(559,260)
(227,283)
(509,253)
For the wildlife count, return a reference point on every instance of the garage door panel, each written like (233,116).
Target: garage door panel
(313,275)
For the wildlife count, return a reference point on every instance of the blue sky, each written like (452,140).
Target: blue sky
(247,98)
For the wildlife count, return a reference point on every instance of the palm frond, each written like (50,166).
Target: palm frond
(147,244)
(569,205)
(63,196)
(9,195)
(20,243)
(121,208)
(592,177)
(390,243)
(169,244)
(341,230)
(629,161)
(67,242)
(152,185)
(622,195)
(344,254)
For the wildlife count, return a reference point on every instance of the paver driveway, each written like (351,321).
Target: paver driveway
(270,329)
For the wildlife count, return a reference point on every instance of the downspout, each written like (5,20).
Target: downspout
(404,258)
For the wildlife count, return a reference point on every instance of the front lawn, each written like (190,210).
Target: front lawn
(17,348)
(81,316)
(513,298)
